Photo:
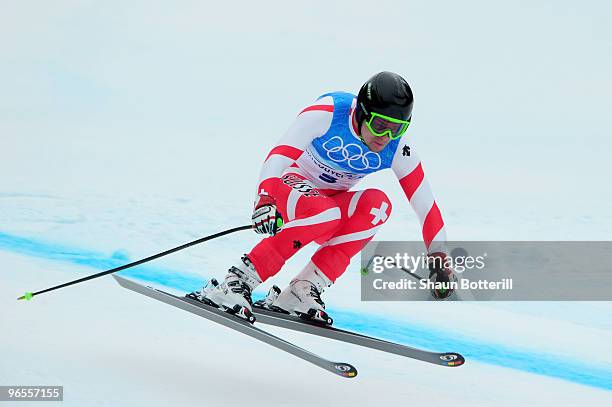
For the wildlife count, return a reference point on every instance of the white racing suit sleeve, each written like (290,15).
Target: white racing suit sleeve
(312,122)
(409,171)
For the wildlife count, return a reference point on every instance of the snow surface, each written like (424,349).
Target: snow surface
(128,129)
(109,346)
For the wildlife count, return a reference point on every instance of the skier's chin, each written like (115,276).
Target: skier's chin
(376,147)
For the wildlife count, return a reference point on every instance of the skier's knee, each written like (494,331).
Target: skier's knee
(376,203)
(325,214)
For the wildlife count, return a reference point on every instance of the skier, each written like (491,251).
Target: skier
(303,196)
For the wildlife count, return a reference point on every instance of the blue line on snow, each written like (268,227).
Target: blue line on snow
(30,247)
(410,334)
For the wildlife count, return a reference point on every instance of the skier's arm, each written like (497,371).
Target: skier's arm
(312,122)
(409,171)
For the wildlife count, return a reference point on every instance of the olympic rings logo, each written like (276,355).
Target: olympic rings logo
(351,153)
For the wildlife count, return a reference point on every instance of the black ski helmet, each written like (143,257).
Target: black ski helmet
(385,93)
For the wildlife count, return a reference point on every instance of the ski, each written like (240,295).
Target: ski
(264,316)
(213,314)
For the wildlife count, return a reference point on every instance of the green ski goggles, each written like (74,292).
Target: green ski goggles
(381,125)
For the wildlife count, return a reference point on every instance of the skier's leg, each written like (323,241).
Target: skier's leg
(308,214)
(363,212)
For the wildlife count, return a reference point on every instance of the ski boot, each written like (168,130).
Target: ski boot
(267,302)
(233,295)
(303,296)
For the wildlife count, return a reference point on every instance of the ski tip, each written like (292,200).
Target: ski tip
(345,370)
(27,296)
(452,359)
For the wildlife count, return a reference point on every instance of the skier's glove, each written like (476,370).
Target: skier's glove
(440,273)
(266,218)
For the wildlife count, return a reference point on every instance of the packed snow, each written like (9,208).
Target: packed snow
(128,129)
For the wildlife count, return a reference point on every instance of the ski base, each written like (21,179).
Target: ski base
(223,318)
(318,328)
(265,316)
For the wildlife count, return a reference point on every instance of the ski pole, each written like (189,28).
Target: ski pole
(29,295)
(364,270)
(413,274)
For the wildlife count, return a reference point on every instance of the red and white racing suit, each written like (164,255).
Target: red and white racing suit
(309,173)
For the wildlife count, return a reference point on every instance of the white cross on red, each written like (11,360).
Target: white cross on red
(380,214)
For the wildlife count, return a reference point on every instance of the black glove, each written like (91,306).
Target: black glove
(439,272)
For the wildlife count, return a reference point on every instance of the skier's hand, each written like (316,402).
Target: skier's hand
(439,272)
(266,219)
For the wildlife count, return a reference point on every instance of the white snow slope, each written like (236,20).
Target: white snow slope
(130,128)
